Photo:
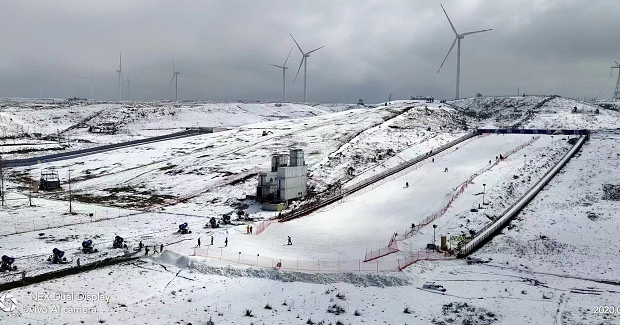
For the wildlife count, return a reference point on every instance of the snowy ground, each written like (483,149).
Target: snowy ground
(553,265)
(569,228)
(133,120)
(367,221)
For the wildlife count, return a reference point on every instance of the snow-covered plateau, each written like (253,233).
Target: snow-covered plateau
(555,263)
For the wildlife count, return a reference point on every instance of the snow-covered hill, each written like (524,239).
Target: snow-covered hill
(552,265)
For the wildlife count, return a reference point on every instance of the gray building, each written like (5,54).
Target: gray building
(287,179)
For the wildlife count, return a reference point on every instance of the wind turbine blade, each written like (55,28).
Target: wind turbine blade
(171,80)
(299,47)
(478,31)
(173,67)
(302,62)
(289,54)
(450,21)
(277,66)
(450,50)
(315,49)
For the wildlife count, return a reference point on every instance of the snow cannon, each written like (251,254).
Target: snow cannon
(58,256)
(7,264)
(213,222)
(87,247)
(184,228)
(226,219)
(118,242)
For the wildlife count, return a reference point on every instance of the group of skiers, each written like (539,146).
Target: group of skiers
(146,248)
(290,242)
(248,229)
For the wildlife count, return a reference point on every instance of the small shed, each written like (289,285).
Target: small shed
(49,180)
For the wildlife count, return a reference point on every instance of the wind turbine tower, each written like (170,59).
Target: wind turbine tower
(128,93)
(120,76)
(458,39)
(175,78)
(304,61)
(92,85)
(284,67)
(617,92)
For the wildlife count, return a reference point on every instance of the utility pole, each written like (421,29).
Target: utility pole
(30,194)
(70,208)
(1,181)
(617,91)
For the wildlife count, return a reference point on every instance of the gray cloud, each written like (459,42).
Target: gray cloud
(223,48)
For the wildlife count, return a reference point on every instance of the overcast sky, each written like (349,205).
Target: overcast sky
(372,48)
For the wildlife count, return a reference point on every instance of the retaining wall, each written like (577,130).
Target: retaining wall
(491,229)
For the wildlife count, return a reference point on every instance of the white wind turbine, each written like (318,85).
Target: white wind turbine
(128,82)
(458,38)
(284,67)
(120,76)
(175,78)
(304,61)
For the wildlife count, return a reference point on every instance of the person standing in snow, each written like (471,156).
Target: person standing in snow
(78,262)
(155,249)
(226,242)
(406,184)
(250,230)
(140,245)
(146,251)
(433,160)
(445,170)
(199,241)
(161,248)
(247,229)
(290,242)
(211,240)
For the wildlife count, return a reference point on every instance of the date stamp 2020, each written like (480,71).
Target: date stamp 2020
(607,309)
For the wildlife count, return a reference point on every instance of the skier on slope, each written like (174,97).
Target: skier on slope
(445,170)
(290,242)
(226,242)
(406,184)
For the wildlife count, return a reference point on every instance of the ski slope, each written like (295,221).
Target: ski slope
(346,229)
